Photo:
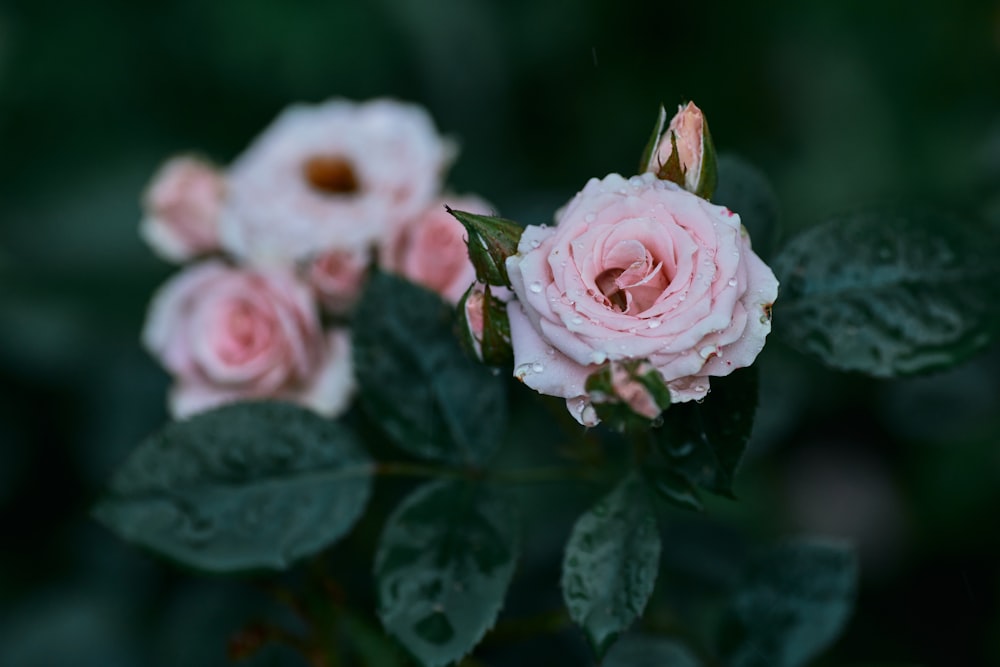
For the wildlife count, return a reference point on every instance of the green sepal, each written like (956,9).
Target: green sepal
(496,345)
(673,170)
(654,140)
(491,241)
(708,179)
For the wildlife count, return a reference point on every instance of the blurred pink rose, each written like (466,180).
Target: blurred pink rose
(338,277)
(335,175)
(636,269)
(182,206)
(230,334)
(431,250)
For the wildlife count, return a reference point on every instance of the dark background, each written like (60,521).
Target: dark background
(841,104)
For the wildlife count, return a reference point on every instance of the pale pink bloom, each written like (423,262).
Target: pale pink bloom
(229,334)
(335,175)
(688,127)
(338,276)
(636,269)
(181,209)
(431,250)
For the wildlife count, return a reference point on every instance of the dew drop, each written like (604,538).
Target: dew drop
(577,320)
(535,243)
(537,367)
(535,287)
(590,217)
(654,323)
(732,282)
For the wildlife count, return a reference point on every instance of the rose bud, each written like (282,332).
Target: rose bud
(181,209)
(337,276)
(485,329)
(629,394)
(636,269)
(491,241)
(684,153)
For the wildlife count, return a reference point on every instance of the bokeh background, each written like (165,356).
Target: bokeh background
(841,104)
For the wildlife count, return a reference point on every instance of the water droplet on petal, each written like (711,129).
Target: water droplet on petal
(577,320)
(535,243)
(535,287)
(590,217)
(537,367)
(654,323)
(732,282)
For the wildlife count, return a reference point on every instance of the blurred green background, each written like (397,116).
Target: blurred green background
(841,104)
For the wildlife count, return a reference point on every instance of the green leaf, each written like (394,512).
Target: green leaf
(611,561)
(889,293)
(644,651)
(415,380)
(708,177)
(491,241)
(704,442)
(249,485)
(443,566)
(745,190)
(792,605)
(672,487)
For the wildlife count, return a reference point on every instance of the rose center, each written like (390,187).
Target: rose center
(331,174)
(607,282)
(635,279)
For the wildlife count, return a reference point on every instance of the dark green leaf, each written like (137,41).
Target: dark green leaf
(443,566)
(642,651)
(704,442)
(429,396)
(745,190)
(793,603)
(672,487)
(491,241)
(611,561)
(250,485)
(888,293)
(708,178)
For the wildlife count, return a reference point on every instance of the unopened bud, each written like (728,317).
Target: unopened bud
(683,153)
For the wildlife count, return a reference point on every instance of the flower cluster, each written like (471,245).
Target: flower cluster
(281,242)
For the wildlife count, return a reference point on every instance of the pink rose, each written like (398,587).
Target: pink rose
(338,276)
(228,334)
(636,269)
(431,250)
(182,206)
(334,175)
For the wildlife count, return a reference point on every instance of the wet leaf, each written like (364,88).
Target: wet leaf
(611,561)
(792,604)
(889,293)
(644,651)
(424,391)
(443,566)
(249,485)
(704,442)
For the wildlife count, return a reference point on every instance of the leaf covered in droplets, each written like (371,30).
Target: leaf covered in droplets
(442,568)
(703,442)
(415,380)
(611,561)
(889,293)
(793,603)
(245,486)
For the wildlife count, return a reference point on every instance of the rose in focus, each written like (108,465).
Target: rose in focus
(636,269)
(229,334)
